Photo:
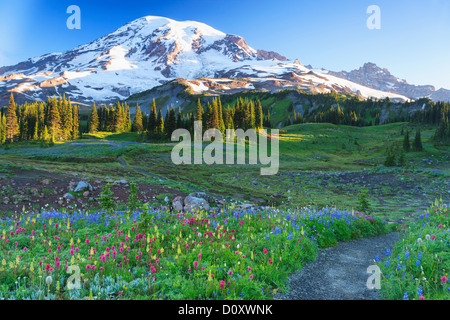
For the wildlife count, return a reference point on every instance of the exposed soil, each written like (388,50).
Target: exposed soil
(34,189)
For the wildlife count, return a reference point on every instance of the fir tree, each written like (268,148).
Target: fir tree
(171,124)
(199,113)
(12,126)
(152,119)
(406,144)
(160,123)
(54,120)
(45,135)
(259,117)
(137,123)
(418,141)
(2,128)
(180,121)
(93,121)
(76,123)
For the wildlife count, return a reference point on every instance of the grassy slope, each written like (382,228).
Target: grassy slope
(310,154)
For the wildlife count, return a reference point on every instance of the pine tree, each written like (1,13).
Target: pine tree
(118,119)
(137,123)
(12,126)
(93,121)
(179,119)
(199,113)
(406,145)
(127,116)
(45,135)
(36,131)
(171,124)
(160,123)
(259,117)
(418,141)
(54,120)
(2,129)
(152,119)
(76,123)
(67,121)
(3,133)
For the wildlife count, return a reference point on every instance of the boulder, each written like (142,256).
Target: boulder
(83,186)
(195,204)
(69,196)
(177,204)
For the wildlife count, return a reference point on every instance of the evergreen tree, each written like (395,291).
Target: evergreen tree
(259,117)
(180,121)
(127,117)
(152,119)
(45,135)
(93,121)
(3,133)
(76,123)
(137,123)
(36,131)
(406,144)
(418,141)
(171,124)
(12,126)
(160,123)
(118,119)
(54,120)
(199,113)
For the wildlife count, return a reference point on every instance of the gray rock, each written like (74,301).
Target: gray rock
(69,196)
(195,204)
(83,186)
(177,204)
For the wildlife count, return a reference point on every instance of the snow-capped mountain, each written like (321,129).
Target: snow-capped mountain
(372,76)
(151,51)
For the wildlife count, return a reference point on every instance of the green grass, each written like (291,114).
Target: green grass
(320,165)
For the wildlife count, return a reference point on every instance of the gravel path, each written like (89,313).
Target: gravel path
(339,273)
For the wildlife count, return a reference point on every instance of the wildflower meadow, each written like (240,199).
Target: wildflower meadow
(417,268)
(238,255)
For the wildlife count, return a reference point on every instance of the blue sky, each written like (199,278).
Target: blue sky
(413,42)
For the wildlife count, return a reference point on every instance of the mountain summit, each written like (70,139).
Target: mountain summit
(140,55)
(370,75)
(152,51)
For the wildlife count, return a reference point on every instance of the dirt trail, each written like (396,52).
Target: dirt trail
(339,273)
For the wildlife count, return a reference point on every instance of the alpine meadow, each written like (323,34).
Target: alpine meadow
(169,160)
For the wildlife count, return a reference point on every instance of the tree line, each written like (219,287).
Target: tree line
(244,114)
(57,119)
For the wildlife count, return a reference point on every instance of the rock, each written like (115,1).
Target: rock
(83,186)
(69,196)
(195,204)
(122,181)
(163,208)
(86,194)
(201,195)
(177,204)
(246,206)
(46,182)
